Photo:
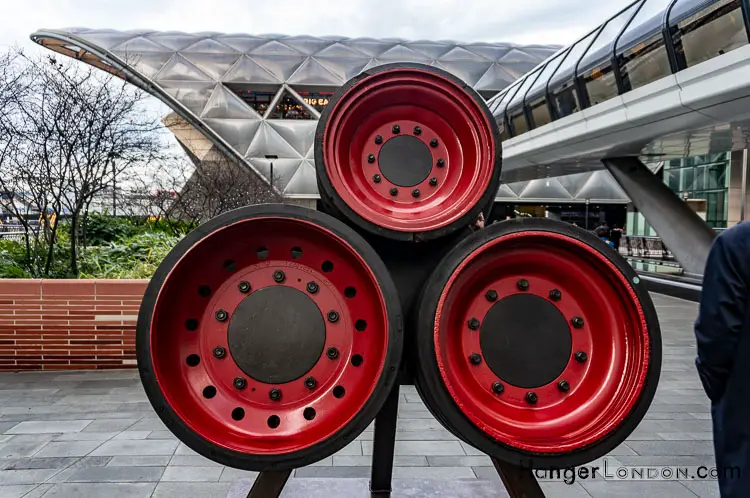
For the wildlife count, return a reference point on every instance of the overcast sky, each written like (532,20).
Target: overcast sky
(519,21)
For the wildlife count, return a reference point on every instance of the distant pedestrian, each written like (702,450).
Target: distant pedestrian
(479,222)
(615,235)
(603,233)
(722,332)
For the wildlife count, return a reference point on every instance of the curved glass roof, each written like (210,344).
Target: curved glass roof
(646,41)
(216,82)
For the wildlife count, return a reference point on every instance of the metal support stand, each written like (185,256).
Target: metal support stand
(518,481)
(680,228)
(269,484)
(384,441)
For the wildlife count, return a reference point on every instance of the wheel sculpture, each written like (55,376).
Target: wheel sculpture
(269,338)
(408,152)
(537,344)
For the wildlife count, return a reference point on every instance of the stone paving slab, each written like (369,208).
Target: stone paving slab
(92,434)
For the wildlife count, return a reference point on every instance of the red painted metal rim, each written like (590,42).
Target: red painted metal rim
(463,157)
(603,389)
(184,331)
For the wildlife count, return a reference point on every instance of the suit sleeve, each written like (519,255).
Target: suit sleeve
(723,307)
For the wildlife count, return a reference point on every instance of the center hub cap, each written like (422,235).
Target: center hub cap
(276,335)
(529,349)
(405,161)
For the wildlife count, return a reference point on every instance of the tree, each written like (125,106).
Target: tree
(77,132)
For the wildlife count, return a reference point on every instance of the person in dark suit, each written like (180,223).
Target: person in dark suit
(722,332)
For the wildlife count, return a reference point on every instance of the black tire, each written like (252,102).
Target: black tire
(308,455)
(437,397)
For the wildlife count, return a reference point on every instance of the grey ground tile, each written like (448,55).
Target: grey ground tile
(433,473)
(182,449)
(132,435)
(117,474)
(459,461)
(675,436)
(192,461)
(630,489)
(86,436)
(134,448)
(5,437)
(20,449)
(110,425)
(325,462)
(139,461)
(470,450)
(423,436)
(161,435)
(353,448)
(678,460)
(426,448)
(197,489)
(95,490)
(4,426)
(33,476)
(92,461)
(230,475)
(68,449)
(49,427)
(704,489)
(364,461)
(332,472)
(191,474)
(36,463)
(149,424)
(563,490)
(38,491)
(16,491)
(686,448)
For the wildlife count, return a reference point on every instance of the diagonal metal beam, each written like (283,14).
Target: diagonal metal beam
(680,228)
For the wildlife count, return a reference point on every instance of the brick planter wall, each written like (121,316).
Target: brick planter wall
(68,324)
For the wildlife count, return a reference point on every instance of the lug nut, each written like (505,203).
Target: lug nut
(278,276)
(523,284)
(563,386)
(274,394)
(434,142)
(378,139)
(417,130)
(473,324)
(440,162)
(222,315)
(498,387)
(577,322)
(310,383)
(555,295)
(491,295)
(219,352)
(531,397)
(415,193)
(581,357)
(396,129)
(433,181)
(312,287)
(394,191)
(240,383)
(475,358)
(371,158)
(333,316)
(244,287)
(332,353)
(376,178)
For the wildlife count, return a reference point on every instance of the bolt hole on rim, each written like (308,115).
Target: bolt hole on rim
(584,378)
(412,114)
(195,359)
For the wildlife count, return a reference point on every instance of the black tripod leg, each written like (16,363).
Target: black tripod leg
(269,484)
(384,441)
(519,481)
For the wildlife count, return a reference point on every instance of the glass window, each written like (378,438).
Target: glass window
(518,122)
(540,112)
(256,99)
(527,82)
(644,63)
(648,21)
(562,86)
(603,46)
(712,31)
(539,86)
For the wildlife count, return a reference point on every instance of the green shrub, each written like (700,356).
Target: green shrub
(135,257)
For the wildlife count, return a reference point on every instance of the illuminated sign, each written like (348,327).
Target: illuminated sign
(319,102)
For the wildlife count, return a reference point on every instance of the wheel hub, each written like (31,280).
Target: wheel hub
(529,349)
(405,161)
(276,335)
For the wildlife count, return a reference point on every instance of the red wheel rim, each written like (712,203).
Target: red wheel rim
(209,278)
(603,389)
(463,157)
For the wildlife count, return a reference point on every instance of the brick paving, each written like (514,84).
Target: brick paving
(93,433)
